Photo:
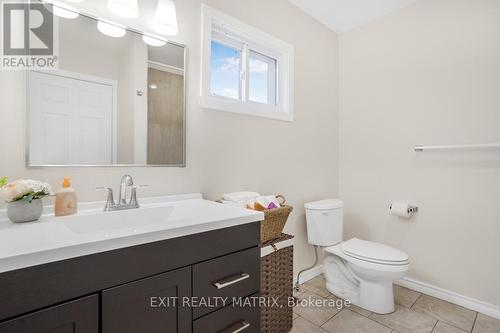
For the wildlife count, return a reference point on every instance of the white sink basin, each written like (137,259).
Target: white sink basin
(107,222)
(92,230)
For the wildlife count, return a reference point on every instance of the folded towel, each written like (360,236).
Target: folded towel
(268,201)
(234,203)
(240,196)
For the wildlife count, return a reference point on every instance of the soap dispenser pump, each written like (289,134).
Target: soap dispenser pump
(66,203)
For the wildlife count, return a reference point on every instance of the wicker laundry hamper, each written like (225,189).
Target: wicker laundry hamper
(274,221)
(277,283)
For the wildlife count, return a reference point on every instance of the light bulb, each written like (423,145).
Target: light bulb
(165,19)
(111,29)
(153,40)
(124,8)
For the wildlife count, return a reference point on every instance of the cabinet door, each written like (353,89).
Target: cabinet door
(149,305)
(80,316)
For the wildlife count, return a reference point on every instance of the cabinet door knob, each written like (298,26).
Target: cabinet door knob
(231,280)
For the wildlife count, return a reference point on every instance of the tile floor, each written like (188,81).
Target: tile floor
(415,313)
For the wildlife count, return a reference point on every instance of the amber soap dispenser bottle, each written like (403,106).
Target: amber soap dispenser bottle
(66,203)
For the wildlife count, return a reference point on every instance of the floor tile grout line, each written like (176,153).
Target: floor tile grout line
(391,328)
(453,324)
(411,307)
(332,317)
(434,327)
(416,299)
(311,322)
(313,291)
(475,320)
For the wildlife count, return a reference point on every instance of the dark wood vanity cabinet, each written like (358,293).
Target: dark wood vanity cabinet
(80,316)
(154,287)
(149,304)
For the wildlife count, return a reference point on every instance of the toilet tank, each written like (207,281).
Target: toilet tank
(325,222)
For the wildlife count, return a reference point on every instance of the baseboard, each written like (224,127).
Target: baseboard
(310,274)
(452,297)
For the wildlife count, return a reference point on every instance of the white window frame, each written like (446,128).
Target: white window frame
(259,42)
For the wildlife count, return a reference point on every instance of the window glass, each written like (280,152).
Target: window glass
(262,79)
(225,71)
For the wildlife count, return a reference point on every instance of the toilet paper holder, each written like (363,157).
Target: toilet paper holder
(411,209)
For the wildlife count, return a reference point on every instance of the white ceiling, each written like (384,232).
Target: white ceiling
(344,15)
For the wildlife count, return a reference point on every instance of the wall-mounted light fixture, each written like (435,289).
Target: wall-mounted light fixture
(124,8)
(165,19)
(111,29)
(153,40)
(62,9)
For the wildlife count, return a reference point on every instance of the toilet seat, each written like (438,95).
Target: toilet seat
(372,252)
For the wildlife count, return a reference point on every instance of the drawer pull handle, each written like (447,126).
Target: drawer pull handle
(242,325)
(232,280)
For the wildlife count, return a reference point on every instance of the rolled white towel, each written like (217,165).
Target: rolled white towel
(240,196)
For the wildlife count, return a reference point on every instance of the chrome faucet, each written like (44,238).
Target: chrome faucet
(122,204)
(124,184)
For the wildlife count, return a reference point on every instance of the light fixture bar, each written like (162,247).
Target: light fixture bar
(124,8)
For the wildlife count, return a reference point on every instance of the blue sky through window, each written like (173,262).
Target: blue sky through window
(258,80)
(225,71)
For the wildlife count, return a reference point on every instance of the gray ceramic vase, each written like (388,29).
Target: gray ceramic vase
(24,211)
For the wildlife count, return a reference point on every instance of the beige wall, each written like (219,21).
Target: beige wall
(429,74)
(226,152)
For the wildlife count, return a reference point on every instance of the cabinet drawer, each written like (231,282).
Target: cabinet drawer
(80,316)
(231,319)
(234,275)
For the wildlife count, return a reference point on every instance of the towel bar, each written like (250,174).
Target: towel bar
(421,148)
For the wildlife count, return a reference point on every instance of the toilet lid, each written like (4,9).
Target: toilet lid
(374,252)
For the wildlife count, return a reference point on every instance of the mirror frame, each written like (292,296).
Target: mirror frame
(27,120)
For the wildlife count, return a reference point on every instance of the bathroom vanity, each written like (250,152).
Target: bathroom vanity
(146,270)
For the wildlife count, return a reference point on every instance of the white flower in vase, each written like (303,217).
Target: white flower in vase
(24,198)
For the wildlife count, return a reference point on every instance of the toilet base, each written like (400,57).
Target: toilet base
(376,297)
(370,289)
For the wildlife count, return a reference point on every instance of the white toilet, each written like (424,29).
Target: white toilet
(356,270)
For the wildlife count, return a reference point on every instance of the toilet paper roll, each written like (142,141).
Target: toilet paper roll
(401,209)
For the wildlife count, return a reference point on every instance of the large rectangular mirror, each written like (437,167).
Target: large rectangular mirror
(113,101)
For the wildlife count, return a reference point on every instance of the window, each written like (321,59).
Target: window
(245,70)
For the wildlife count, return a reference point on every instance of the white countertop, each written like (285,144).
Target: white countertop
(92,230)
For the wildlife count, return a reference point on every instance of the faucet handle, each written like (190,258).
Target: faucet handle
(110,201)
(133,194)
(133,197)
(102,188)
